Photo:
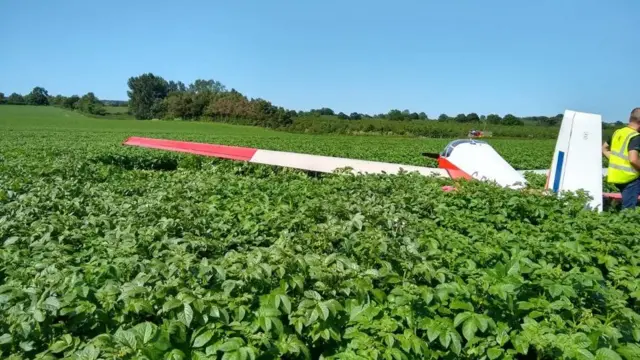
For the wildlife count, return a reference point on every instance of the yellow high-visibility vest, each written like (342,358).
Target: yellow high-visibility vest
(620,170)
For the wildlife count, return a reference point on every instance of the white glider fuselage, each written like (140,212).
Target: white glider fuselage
(575,166)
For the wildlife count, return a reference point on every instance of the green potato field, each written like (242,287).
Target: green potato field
(105,136)
(109,252)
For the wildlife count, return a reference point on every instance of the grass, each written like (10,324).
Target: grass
(116,109)
(49,122)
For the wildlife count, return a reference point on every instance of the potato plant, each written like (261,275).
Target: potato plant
(119,253)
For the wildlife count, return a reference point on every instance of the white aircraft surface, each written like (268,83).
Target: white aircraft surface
(576,163)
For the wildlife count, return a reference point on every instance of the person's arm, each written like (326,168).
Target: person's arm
(634,148)
(634,159)
(605,150)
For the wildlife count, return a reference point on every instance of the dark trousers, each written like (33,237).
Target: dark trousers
(630,192)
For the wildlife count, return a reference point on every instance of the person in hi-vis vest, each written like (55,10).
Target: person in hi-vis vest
(624,162)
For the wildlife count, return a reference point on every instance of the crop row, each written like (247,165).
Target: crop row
(107,252)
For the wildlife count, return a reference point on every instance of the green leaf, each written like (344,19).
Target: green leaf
(312,294)
(461,305)
(433,332)
(202,339)
(232,344)
(38,315)
(313,317)
(89,353)
(247,353)
(233,355)
(581,340)
(584,354)
(607,354)
(555,290)
(536,314)
(469,329)
(389,340)
(59,346)
(186,315)
(171,304)
(494,353)
(629,351)
(126,338)
(10,241)
(146,331)
(240,312)
(198,355)
(52,303)
(278,325)
(324,310)
(483,323)
(5,339)
(460,318)
(502,338)
(521,345)
(175,354)
(26,345)
(286,304)
(456,345)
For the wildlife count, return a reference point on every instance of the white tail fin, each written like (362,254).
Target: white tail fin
(577,163)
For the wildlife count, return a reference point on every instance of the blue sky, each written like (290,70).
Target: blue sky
(493,56)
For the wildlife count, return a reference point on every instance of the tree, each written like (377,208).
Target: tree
(71,102)
(15,99)
(511,120)
(200,86)
(395,115)
(38,96)
(461,118)
(355,116)
(342,116)
(90,104)
(473,117)
(423,116)
(323,111)
(494,119)
(2,98)
(176,86)
(57,100)
(145,95)
(550,121)
(178,106)
(443,117)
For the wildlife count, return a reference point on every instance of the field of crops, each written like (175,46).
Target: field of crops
(108,134)
(123,253)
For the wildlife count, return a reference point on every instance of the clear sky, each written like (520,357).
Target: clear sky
(486,56)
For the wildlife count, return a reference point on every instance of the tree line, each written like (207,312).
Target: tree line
(88,103)
(152,97)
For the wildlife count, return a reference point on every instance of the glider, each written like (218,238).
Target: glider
(576,161)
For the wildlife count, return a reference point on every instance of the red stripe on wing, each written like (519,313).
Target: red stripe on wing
(454,171)
(221,151)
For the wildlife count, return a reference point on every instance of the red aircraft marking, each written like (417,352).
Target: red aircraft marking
(454,171)
(245,154)
(617,196)
(221,151)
